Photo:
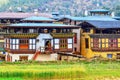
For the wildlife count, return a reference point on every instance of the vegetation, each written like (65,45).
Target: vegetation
(71,7)
(73,70)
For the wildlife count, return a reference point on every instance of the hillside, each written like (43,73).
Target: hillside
(72,7)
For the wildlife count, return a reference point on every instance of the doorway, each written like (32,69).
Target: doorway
(48,45)
(118,56)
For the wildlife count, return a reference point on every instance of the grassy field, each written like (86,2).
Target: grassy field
(75,70)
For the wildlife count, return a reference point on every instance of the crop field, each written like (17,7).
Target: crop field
(73,70)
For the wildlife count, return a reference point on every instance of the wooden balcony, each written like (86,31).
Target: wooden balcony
(105,35)
(22,35)
(105,49)
(62,35)
(2,33)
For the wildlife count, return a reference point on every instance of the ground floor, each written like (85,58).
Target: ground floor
(18,57)
(27,57)
(106,55)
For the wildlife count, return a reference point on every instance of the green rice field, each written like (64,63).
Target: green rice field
(73,70)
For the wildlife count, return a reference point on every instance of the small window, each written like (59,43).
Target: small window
(75,38)
(31,30)
(23,58)
(118,55)
(109,56)
(24,41)
(86,43)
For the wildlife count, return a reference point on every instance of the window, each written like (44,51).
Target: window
(109,56)
(86,43)
(63,43)
(24,41)
(96,42)
(75,38)
(32,43)
(31,30)
(7,43)
(14,43)
(118,56)
(113,43)
(56,41)
(70,41)
(23,58)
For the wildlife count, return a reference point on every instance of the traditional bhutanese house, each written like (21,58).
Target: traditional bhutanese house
(7,18)
(100,38)
(96,15)
(100,35)
(24,41)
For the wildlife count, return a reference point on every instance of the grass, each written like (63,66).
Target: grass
(79,70)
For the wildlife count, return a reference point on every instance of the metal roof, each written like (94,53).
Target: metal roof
(72,18)
(41,25)
(21,15)
(37,18)
(99,10)
(89,18)
(105,24)
(98,18)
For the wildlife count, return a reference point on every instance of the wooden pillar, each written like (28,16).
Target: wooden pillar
(37,30)
(7,30)
(21,30)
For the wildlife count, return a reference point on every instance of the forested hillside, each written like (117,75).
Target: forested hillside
(72,7)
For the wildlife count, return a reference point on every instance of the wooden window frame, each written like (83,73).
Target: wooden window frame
(113,43)
(32,44)
(63,43)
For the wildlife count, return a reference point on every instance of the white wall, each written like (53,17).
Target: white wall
(42,38)
(16,56)
(78,39)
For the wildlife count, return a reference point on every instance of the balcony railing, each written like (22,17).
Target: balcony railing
(22,35)
(105,49)
(59,35)
(105,35)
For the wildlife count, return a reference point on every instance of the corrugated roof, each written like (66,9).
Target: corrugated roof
(99,10)
(72,18)
(37,18)
(98,18)
(105,24)
(21,15)
(89,18)
(40,25)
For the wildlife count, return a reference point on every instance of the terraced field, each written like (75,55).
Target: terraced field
(78,70)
